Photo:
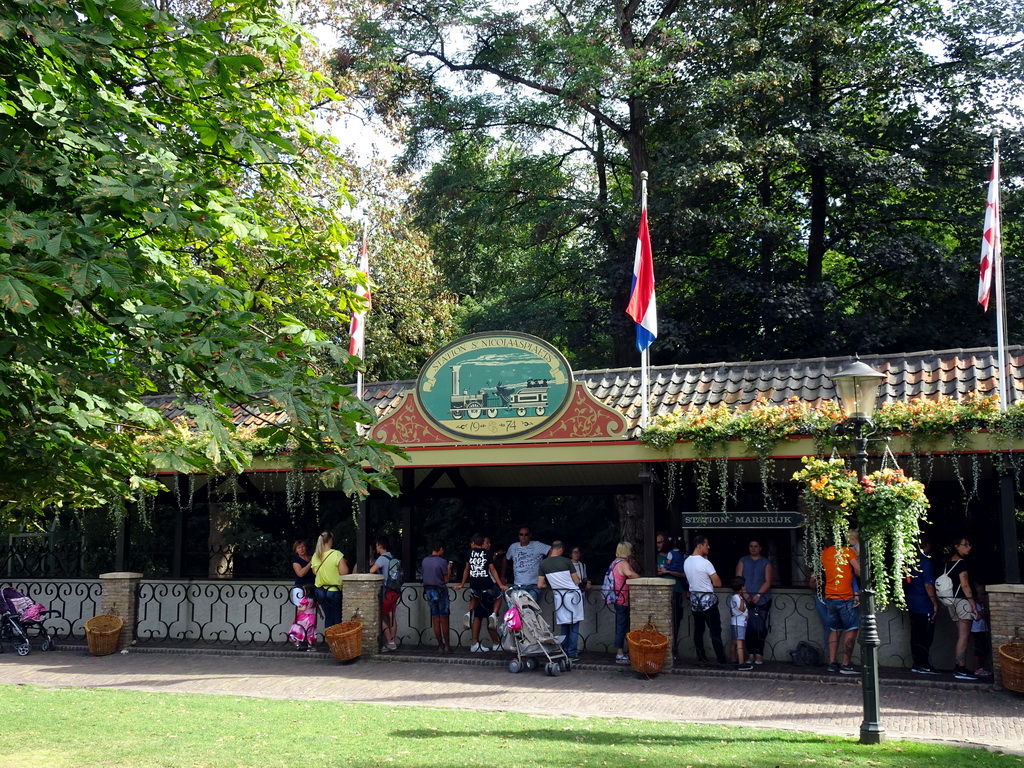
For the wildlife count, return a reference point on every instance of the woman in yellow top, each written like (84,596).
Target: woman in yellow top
(329,566)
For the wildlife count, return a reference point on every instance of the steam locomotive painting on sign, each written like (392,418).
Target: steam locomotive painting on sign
(495,385)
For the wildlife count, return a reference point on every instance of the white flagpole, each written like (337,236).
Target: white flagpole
(359,374)
(645,383)
(1005,393)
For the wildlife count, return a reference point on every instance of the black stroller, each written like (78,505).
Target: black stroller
(21,619)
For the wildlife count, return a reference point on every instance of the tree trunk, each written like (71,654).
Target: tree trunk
(631,520)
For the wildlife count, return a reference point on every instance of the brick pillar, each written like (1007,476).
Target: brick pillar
(650,599)
(362,596)
(1005,616)
(120,597)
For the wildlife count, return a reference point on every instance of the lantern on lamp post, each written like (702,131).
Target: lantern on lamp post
(857,386)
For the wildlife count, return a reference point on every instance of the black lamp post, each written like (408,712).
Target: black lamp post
(857,386)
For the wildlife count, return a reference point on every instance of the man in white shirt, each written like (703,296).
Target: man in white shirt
(526,556)
(702,578)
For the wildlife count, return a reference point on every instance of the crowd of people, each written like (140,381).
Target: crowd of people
(536,566)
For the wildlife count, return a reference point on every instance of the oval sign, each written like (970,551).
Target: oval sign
(494,386)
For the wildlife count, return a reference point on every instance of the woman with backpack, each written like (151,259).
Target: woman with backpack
(616,592)
(962,605)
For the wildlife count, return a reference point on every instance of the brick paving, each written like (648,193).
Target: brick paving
(915,709)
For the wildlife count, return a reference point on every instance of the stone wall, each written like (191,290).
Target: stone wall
(650,601)
(121,599)
(361,599)
(1006,622)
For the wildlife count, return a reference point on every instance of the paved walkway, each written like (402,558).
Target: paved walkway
(913,709)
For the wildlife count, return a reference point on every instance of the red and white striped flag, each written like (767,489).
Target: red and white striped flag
(990,245)
(357,345)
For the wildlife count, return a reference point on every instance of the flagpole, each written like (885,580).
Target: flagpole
(359,373)
(997,274)
(645,382)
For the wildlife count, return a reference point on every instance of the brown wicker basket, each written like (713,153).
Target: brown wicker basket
(102,633)
(647,649)
(1011,663)
(345,640)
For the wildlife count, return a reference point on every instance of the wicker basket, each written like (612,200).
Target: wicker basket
(1011,663)
(102,633)
(345,640)
(647,649)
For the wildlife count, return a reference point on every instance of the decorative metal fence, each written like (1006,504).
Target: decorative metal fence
(75,601)
(257,614)
(230,613)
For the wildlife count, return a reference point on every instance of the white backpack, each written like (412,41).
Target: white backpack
(944,586)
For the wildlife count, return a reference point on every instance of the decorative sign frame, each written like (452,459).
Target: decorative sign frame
(494,386)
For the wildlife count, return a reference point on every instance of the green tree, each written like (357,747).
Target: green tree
(835,164)
(154,217)
(566,83)
(817,169)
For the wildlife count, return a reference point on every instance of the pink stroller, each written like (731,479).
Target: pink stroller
(21,618)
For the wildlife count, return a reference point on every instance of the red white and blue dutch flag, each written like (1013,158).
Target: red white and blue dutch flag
(642,306)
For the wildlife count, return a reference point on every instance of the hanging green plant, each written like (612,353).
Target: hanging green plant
(890,510)
(830,493)
(887,506)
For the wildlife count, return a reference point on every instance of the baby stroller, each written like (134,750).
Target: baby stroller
(528,635)
(21,618)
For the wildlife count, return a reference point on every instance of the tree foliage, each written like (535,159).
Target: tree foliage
(155,225)
(817,169)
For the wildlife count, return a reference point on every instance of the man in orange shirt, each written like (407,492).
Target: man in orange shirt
(838,568)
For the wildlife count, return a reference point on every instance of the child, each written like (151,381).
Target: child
(303,631)
(738,613)
(980,633)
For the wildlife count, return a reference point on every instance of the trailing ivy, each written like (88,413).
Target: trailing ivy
(928,423)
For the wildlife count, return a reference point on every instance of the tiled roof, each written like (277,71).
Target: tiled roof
(929,375)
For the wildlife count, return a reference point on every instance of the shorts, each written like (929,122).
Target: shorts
(739,631)
(437,601)
(961,609)
(484,601)
(843,615)
(389,602)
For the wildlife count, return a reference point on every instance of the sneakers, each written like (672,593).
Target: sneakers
(961,673)
(478,648)
(311,649)
(392,646)
(745,667)
(848,669)
(982,672)
(924,670)
(621,658)
(833,666)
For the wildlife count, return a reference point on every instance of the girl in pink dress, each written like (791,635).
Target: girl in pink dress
(303,630)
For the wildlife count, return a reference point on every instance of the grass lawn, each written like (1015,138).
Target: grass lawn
(56,728)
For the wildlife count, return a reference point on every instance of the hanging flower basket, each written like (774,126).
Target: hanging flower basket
(831,490)
(887,506)
(890,510)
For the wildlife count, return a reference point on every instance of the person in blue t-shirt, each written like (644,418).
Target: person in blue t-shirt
(923,606)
